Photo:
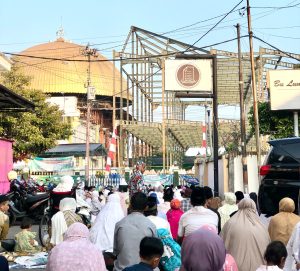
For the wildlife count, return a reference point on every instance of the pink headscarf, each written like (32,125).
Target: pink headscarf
(76,252)
(230,264)
(203,250)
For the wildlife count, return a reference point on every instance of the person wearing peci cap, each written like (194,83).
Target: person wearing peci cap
(4,219)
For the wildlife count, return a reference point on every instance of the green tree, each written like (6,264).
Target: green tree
(277,124)
(33,132)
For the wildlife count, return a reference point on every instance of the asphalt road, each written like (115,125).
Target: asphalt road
(12,232)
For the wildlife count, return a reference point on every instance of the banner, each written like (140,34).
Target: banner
(57,164)
(189,75)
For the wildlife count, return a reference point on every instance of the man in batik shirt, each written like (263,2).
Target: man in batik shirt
(136,183)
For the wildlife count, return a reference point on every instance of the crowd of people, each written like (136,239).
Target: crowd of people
(166,228)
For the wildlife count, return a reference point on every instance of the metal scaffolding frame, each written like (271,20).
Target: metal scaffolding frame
(142,65)
(142,60)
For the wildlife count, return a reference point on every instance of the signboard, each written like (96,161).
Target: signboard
(284,89)
(189,75)
(91,93)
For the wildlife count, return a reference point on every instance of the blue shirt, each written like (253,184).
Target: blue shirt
(139,267)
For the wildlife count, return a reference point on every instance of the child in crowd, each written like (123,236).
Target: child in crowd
(275,257)
(4,219)
(25,242)
(173,216)
(151,250)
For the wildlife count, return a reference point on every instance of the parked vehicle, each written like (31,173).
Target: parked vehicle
(280,175)
(22,205)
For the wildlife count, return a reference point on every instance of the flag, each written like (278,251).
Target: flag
(112,150)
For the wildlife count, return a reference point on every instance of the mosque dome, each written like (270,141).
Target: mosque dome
(62,76)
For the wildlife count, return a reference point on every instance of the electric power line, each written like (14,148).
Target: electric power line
(214,26)
(276,48)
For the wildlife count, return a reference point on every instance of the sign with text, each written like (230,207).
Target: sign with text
(189,75)
(284,88)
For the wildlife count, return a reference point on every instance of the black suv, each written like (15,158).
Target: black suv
(280,175)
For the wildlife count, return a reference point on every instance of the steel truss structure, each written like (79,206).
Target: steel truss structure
(141,64)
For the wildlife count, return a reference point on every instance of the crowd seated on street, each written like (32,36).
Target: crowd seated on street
(164,228)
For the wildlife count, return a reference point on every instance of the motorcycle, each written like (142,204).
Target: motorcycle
(23,204)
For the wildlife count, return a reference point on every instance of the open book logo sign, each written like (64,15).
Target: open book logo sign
(188,75)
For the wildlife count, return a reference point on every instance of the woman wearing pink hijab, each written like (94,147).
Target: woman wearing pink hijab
(230,264)
(173,216)
(203,250)
(76,252)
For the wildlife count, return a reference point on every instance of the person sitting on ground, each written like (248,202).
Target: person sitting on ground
(197,216)
(203,250)
(239,196)
(151,250)
(65,185)
(245,237)
(172,258)
(282,225)
(230,264)
(168,196)
(253,196)
(151,213)
(293,250)
(159,190)
(210,200)
(63,219)
(25,239)
(130,231)
(173,216)
(102,232)
(76,252)
(228,207)
(186,202)
(124,197)
(95,203)
(4,219)
(275,257)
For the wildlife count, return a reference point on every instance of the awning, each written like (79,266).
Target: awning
(10,101)
(77,150)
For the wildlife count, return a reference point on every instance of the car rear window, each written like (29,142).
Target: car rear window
(282,156)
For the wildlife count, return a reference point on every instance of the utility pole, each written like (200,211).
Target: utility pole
(254,93)
(163,118)
(242,113)
(88,52)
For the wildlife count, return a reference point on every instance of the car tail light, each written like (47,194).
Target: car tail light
(264,170)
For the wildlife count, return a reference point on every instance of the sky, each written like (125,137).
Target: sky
(28,22)
(105,23)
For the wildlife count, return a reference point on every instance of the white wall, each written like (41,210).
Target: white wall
(235,174)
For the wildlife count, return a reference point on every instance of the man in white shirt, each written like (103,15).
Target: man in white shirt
(196,217)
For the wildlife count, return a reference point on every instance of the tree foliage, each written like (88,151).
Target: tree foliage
(32,132)
(277,124)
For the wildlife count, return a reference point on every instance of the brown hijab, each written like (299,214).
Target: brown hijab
(281,225)
(245,237)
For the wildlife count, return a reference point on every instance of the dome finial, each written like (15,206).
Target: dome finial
(60,33)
